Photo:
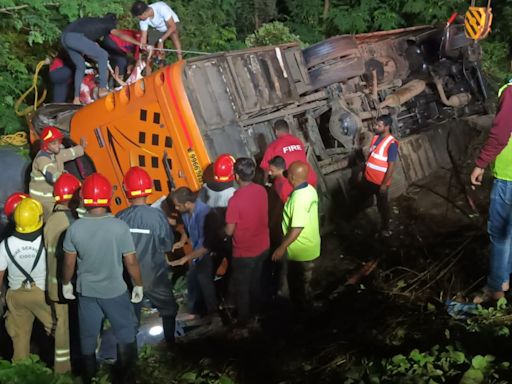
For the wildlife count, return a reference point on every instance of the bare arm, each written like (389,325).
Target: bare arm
(230,229)
(132,266)
(199,252)
(388,175)
(172,32)
(69,267)
(143,37)
(290,237)
(2,273)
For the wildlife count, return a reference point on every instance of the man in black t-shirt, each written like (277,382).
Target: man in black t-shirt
(79,39)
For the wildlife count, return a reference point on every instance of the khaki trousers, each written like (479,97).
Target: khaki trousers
(24,305)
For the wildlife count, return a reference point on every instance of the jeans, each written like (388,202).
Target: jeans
(247,284)
(60,79)
(77,45)
(200,287)
(499,228)
(118,310)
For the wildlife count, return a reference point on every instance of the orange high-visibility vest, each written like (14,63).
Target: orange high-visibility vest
(377,163)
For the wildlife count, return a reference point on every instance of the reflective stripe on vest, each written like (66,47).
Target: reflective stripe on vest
(41,194)
(377,163)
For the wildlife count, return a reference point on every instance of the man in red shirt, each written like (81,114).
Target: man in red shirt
(247,222)
(283,188)
(289,147)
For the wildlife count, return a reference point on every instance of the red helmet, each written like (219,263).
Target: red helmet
(12,201)
(137,183)
(50,134)
(65,187)
(96,191)
(223,168)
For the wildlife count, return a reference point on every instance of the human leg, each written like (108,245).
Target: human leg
(207,287)
(60,79)
(119,312)
(299,278)
(383,207)
(90,317)
(18,322)
(499,228)
(241,286)
(162,298)
(68,42)
(77,43)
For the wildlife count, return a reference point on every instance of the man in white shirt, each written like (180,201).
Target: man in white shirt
(24,256)
(164,21)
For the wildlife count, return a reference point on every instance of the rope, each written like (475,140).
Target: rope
(33,87)
(17,139)
(175,50)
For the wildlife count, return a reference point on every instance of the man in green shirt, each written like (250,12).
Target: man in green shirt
(301,242)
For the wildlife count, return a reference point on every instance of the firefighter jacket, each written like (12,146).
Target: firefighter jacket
(54,231)
(46,169)
(377,163)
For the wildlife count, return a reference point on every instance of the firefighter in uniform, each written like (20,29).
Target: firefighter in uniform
(101,244)
(64,191)
(48,165)
(153,237)
(24,256)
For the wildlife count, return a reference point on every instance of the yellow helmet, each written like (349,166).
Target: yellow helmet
(28,215)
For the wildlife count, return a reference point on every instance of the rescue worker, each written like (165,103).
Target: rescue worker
(201,290)
(497,152)
(24,257)
(153,237)
(289,147)
(48,165)
(65,192)
(79,40)
(301,242)
(379,169)
(164,21)
(217,192)
(102,244)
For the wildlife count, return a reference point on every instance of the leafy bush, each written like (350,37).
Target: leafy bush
(271,34)
(31,371)
(434,366)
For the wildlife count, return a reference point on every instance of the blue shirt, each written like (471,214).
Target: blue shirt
(194,223)
(392,150)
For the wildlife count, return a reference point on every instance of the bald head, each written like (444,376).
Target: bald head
(298,173)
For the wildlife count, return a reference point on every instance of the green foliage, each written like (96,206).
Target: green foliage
(438,365)
(154,367)
(271,34)
(31,371)
(496,61)
(492,320)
